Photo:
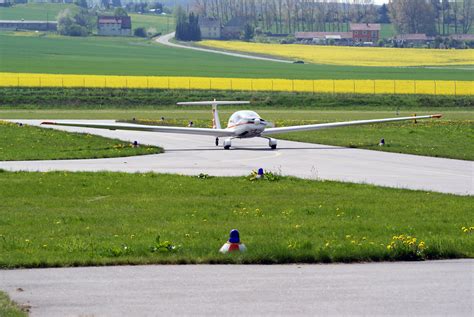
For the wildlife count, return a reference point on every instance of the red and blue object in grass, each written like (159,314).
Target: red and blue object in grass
(234,243)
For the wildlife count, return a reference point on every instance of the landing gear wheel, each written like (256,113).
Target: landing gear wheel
(217,141)
(272,143)
(227,144)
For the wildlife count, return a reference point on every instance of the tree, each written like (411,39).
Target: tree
(140,32)
(187,28)
(81,3)
(383,14)
(105,4)
(467,12)
(116,3)
(181,24)
(194,32)
(248,32)
(71,24)
(413,16)
(120,12)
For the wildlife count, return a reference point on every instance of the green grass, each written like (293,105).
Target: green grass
(133,56)
(32,143)
(9,308)
(162,24)
(66,219)
(34,11)
(49,11)
(57,98)
(387,31)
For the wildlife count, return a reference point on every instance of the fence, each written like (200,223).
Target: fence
(429,87)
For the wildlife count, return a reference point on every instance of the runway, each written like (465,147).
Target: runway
(191,155)
(433,288)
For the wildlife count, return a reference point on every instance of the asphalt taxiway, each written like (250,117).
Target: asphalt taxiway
(191,155)
(432,288)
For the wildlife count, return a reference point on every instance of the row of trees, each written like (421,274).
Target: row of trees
(74,23)
(288,16)
(129,5)
(187,27)
(81,21)
(432,17)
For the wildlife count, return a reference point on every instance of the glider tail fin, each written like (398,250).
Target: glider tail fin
(216,123)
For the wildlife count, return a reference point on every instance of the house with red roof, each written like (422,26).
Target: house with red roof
(365,32)
(114,26)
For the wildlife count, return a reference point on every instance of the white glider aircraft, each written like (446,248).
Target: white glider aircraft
(242,124)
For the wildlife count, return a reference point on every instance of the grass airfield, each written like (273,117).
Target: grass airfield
(449,137)
(115,218)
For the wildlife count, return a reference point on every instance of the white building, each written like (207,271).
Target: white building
(210,28)
(114,26)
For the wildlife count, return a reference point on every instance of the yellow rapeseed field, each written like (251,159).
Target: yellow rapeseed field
(353,56)
(430,87)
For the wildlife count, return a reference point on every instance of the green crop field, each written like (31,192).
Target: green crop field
(49,11)
(32,143)
(34,11)
(112,218)
(160,23)
(39,53)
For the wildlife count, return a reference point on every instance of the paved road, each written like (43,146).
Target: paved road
(191,155)
(165,40)
(398,289)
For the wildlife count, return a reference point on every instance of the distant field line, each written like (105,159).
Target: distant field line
(426,87)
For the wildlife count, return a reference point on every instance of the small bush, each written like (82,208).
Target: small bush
(140,32)
(165,246)
(76,30)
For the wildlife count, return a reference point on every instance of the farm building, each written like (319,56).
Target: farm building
(342,38)
(359,33)
(462,37)
(210,28)
(28,25)
(234,28)
(114,26)
(365,32)
(414,39)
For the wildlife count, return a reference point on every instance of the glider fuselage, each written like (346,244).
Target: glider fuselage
(246,124)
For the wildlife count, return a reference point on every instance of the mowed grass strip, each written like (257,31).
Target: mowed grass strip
(15,98)
(66,219)
(9,308)
(33,143)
